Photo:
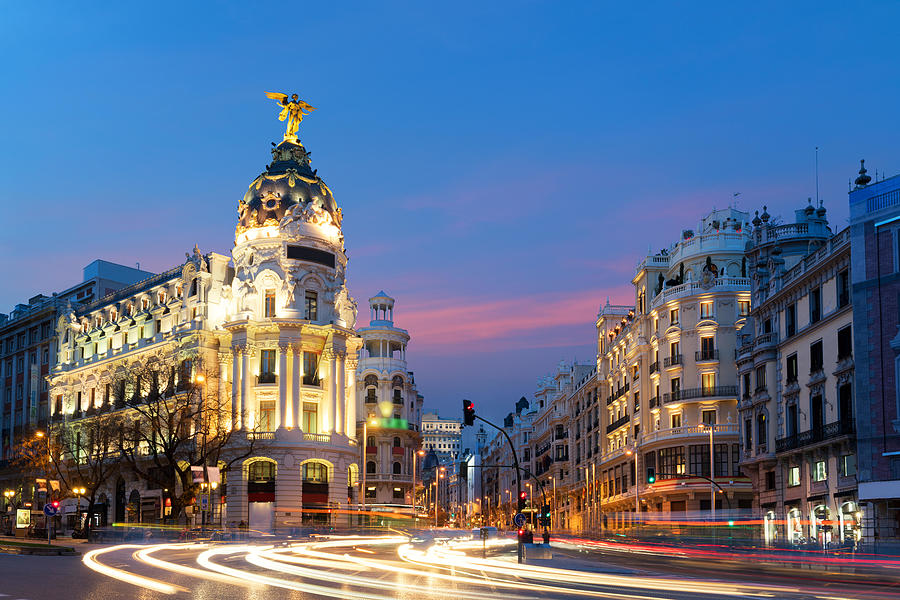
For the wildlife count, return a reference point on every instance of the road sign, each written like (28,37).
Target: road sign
(519,519)
(204,501)
(50,510)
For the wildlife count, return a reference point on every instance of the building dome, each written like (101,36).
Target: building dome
(288,181)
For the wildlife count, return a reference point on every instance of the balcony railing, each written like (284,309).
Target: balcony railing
(766,339)
(322,438)
(260,435)
(701,392)
(702,355)
(562,435)
(654,402)
(623,420)
(805,438)
(692,430)
(266,378)
(654,367)
(670,361)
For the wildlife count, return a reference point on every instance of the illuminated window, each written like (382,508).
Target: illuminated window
(269,305)
(708,383)
(706,310)
(310,417)
(310,368)
(676,420)
(744,307)
(673,316)
(819,471)
(311,305)
(793,476)
(266,415)
(315,472)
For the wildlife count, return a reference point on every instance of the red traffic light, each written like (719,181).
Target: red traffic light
(55,504)
(523,495)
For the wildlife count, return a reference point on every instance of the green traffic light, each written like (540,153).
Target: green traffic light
(651,479)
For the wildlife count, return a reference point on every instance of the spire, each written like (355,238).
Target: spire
(863,179)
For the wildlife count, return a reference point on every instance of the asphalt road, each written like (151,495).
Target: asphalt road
(384,567)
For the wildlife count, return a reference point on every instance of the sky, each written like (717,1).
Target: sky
(501,167)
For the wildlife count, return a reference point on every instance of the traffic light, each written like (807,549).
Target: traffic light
(55,503)
(523,498)
(545,515)
(468,412)
(464,470)
(651,475)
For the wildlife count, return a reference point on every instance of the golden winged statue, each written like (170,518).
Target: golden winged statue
(292,111)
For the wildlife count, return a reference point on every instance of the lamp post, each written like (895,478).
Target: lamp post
(712,474)
(79,492)
(365,447)
(8,494)
(415,454)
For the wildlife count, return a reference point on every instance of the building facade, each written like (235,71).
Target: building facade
(796,367)
(266,339)
(390,408)
(875,251)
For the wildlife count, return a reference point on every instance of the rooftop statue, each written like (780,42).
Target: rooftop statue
(292,111)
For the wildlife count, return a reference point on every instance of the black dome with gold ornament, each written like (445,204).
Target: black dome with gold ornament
(287,181)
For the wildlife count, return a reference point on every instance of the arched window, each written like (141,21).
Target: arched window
(193,291)
(396,468)
(315,472)
(261,471)
(370,466)
(396,442)
(371,383)
(370,442)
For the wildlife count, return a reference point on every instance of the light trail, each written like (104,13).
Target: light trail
(144,557)
(91,562)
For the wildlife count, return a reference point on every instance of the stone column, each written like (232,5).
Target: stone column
(340,395)
(235,387)
(328,398)
(350,429)
(223,382)
(281,415)
(296,383)
(247,415)
(332,391)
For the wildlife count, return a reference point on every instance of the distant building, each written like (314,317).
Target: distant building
(441,435)
(875,250)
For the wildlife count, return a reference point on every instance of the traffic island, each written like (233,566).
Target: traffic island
(8,547)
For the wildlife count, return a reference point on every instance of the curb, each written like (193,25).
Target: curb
(39,551)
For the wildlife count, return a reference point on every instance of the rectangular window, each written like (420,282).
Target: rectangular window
(761,378)
(676,420)
(770,480)
(311,306)
(762,432)
(269,304)
(815,305)
(843,288)
(706,310)
(708,383)
(698,455)
(267,366)
(673,316)
(721,460)
(676,385)
(266,417)
(708,416)
(310,417)
(674,351)
(671,462)
(819,471)
(744,307)
(816,359)
(845,343)
(747,390)
(791,368)
(790,320)
(848,465)
(310,368)
(793,479)
(707,348)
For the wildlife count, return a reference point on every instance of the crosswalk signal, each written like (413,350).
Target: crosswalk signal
(651,475)
(523,498)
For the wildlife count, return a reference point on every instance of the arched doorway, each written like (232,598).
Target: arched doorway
(316,474)
(261,474)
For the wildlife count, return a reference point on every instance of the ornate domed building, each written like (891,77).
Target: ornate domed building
(266,343)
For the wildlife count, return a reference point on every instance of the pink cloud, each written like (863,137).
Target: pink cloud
(454,324)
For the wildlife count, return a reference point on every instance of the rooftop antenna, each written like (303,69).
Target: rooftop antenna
(817,175)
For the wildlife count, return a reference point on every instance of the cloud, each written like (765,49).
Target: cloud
(550,319)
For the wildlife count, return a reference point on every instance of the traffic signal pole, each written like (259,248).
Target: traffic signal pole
(469,417)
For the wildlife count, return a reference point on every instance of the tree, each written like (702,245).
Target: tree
(178,419)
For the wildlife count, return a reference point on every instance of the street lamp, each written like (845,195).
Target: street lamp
(8,494)
(365,447)
(417,453)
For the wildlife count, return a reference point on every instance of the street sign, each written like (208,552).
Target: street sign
(204,501)
(50,510)
(519,519)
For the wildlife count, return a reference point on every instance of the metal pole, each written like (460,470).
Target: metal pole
(520,550)
(712,474)
(637,489)
(362,489)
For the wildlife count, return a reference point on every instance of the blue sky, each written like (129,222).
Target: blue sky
(501,166)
